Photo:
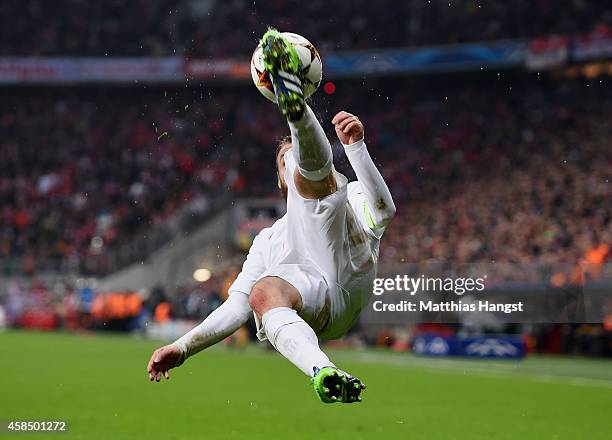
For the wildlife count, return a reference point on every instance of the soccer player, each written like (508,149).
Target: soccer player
(310,273)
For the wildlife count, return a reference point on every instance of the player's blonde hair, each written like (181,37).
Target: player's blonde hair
(281,143)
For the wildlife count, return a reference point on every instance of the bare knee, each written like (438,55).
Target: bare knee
(271,292)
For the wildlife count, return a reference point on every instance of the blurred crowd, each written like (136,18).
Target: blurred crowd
(522,176)
(518,172)
(83,171)
(80,304)
(515,172)
(500,169)
(229,29)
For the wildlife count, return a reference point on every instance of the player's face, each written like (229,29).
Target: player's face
(280,167)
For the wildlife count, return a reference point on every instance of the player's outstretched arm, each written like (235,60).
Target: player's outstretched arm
(380,208)
(221,323)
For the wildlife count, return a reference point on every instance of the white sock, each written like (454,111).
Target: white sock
(295,339)
(311,148)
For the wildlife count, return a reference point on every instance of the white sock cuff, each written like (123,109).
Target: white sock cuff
(317,175)
(275,319)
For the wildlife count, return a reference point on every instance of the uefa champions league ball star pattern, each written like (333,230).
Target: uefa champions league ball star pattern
(312,67)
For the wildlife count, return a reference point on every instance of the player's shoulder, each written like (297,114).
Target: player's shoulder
(277,226)
(269,232)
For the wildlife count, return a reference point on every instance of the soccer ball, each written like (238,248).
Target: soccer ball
(312,67)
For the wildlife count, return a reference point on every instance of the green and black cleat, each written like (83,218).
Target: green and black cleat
(282,62)
(333,385)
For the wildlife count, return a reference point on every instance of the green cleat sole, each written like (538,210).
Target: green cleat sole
(333,385)
(279,55)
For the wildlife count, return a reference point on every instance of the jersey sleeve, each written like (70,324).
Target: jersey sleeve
(378,207)
(252,268)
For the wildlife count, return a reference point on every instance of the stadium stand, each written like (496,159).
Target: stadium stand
(199,28)
(495,167)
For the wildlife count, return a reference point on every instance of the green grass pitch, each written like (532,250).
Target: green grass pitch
(99,384)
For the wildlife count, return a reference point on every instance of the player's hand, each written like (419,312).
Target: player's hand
(348,128)
(162,360)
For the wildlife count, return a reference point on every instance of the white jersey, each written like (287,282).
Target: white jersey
(326,248)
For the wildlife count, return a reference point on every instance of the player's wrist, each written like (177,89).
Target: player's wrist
(182,348)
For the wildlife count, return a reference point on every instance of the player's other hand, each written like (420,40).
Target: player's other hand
(348,127)
(162,360)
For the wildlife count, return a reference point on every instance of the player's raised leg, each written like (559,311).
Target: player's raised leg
(310,147)
(276,303)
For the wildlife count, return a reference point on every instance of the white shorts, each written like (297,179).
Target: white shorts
(315,293)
